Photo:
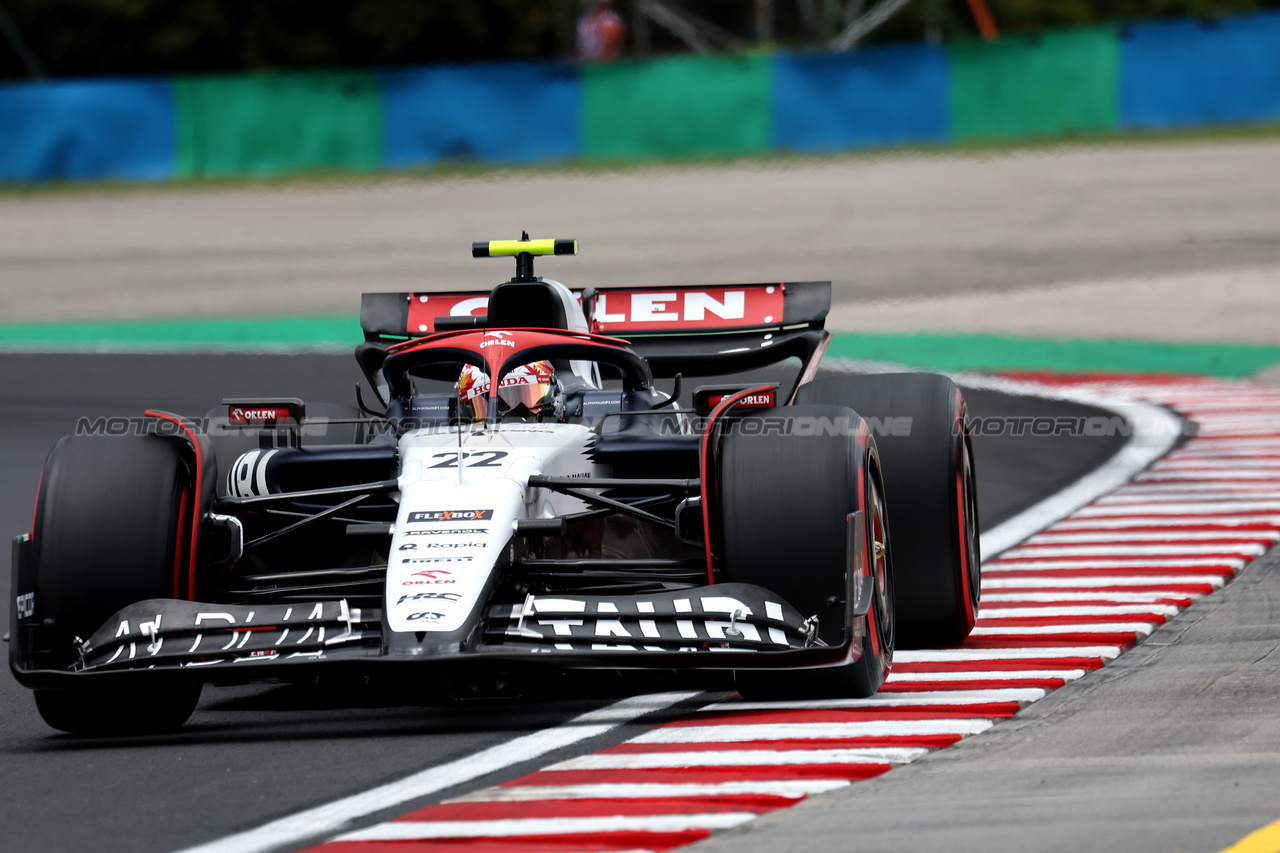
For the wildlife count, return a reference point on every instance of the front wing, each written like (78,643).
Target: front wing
(725,626)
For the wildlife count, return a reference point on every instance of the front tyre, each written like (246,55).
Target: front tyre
(785,500)
(112,528)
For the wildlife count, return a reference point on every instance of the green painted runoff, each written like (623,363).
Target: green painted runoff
(937,351)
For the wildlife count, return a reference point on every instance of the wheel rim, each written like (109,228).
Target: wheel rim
(883,602)
(969,496)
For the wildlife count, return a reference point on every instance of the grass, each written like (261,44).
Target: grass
(453,171)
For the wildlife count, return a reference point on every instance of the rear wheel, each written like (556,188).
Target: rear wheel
(112,528)
(785,502)
(921,426)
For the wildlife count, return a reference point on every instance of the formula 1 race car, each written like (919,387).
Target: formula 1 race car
(521,496)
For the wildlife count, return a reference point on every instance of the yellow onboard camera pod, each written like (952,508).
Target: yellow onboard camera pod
(512,248)
(523,251)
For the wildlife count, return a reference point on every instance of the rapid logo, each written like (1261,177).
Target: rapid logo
(451,515)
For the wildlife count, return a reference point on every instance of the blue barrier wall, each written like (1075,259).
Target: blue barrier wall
(1170,74)
(1189,73)
(877,96)
(87,129)
(501,113)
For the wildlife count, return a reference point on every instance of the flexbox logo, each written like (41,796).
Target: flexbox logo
(451,515)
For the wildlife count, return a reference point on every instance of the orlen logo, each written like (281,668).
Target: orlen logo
(497,339)
(239,415)
(763,400)
(451,515)
(429,576)
(689,308)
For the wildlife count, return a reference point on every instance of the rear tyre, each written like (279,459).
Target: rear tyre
(112,528)
(784,506)
(930,480)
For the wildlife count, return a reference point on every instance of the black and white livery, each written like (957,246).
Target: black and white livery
(527,491)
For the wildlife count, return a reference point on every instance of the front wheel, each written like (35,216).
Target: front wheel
(113,527)
(785,503)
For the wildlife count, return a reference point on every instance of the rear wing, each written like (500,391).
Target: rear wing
(696,330)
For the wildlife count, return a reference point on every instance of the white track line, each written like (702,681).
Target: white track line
(332,817)
(1142,629)
(1194,522)
(1115,551)
(1117,597)
(791,788)
(1121,580)
(414,830)
(1079,610)
(742,758)
(1021,695)
(957,655)
(988,675)
(729,732)
(1153,536)
(1019,564)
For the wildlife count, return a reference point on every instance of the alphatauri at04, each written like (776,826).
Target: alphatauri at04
(521,495)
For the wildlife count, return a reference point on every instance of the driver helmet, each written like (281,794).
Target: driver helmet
(532,386)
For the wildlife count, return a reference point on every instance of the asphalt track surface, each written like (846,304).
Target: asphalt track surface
(889,226)
(252,754)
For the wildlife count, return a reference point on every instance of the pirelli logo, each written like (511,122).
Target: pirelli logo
(451,515)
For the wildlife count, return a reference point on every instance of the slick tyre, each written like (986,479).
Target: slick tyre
(785,500)
(921,428)
(112,526)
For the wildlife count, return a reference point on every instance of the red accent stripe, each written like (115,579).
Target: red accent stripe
(823,715)
(700,775)
(195,519)
(500,810)
(929,741)
(177,544)
(36,505)
(719,410)
(584,843)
